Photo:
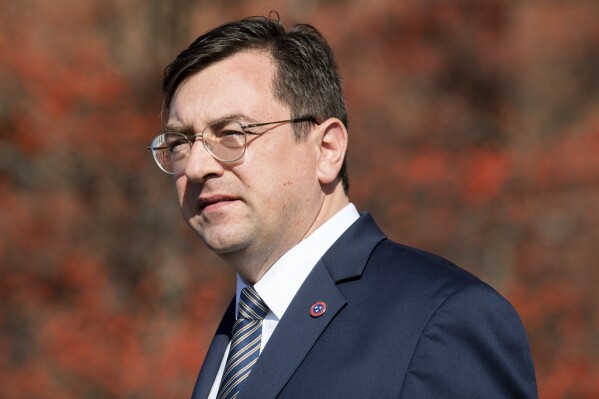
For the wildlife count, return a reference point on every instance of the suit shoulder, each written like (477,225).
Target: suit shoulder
(477,331)
(409,262)
(421,280)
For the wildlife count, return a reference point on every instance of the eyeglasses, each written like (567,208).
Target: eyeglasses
(225,140)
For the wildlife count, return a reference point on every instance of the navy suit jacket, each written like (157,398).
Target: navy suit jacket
(399,323)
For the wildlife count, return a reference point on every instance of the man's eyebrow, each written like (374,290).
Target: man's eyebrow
(234,117)
(177,129)
(187,130)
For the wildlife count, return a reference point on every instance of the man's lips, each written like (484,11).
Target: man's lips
(214,201)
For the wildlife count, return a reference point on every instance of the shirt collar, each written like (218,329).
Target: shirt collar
(281,282)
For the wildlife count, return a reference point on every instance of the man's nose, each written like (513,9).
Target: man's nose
(201,164)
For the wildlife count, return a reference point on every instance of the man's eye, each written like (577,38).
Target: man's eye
(229,133)
(177,145)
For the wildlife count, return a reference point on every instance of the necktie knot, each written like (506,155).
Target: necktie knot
(251,306)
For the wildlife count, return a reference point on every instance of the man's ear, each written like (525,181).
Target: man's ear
(332,141)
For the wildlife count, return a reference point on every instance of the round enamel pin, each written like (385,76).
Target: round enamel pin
(318,309)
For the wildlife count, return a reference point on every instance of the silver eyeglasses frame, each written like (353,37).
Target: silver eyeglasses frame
(189,140)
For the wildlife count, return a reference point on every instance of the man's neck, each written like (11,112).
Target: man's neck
(252,266)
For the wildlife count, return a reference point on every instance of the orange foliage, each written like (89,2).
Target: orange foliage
(474,134)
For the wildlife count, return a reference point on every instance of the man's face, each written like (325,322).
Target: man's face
(253,210)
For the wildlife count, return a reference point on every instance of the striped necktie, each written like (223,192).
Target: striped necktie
(245,344)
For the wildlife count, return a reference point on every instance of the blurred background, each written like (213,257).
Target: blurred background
(474,134)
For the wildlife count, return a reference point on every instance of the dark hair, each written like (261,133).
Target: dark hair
(306,79)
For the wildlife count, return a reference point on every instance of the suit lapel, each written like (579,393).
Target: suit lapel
(215,354)
(294,336)
(297,331)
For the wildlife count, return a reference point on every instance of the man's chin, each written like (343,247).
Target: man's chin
(222,245)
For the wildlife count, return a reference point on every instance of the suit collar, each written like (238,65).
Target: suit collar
(347,258)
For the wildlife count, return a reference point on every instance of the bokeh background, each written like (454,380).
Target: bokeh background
(474,134)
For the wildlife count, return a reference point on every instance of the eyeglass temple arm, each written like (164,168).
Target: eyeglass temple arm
(296,120)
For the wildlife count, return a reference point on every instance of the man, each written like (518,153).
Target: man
(326,306)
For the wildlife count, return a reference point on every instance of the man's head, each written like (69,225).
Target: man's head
(306,78)
(267,174)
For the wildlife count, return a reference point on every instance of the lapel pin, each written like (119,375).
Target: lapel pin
(318,309)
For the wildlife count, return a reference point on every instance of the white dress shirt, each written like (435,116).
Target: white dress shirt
(281,282)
